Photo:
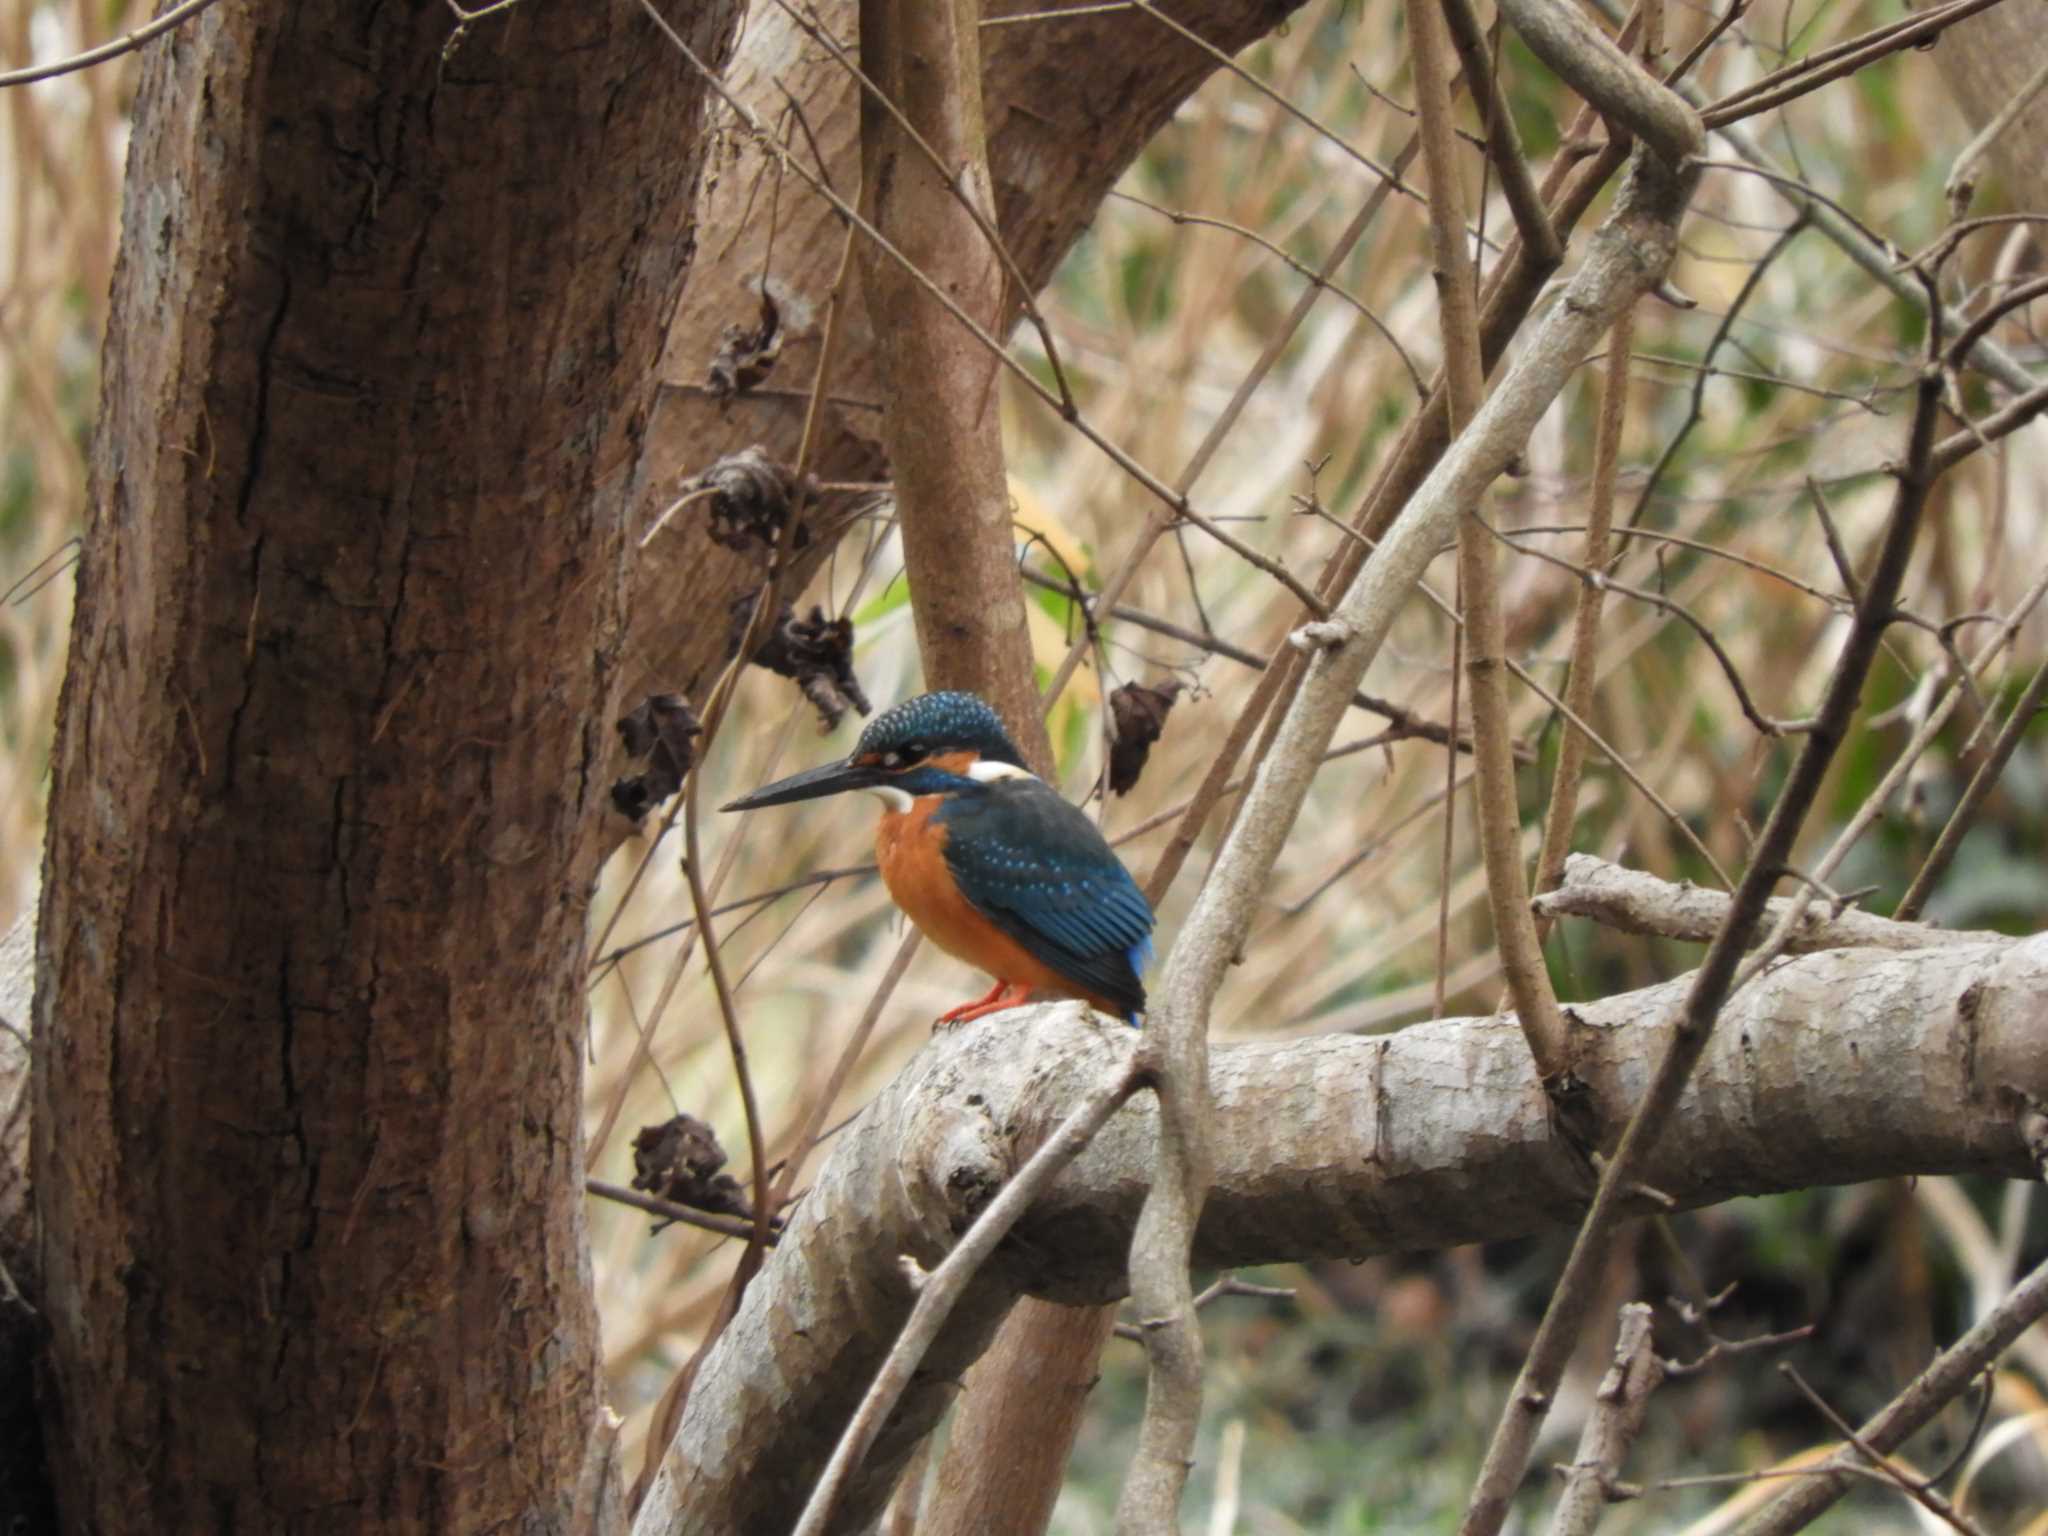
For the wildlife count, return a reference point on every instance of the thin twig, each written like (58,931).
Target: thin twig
(1902,762)
(1711,36)
(1593,579)
(1503,143)
(1224,61)
(850,1053)
(128,42)
(1403,720)
(728,1013)
(1981,782)
(1844,59)
(669,1210)
(1221,1286)
(1914,1488)
(1617,759)
(1562,809)
(1300,268)
(1944,1380)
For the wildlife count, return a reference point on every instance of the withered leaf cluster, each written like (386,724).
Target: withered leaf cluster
(680,1161)
(746,354)
(753,496)
(664,730)
(1140,715)
(817,652)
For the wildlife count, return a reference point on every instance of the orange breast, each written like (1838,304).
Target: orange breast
(910,847)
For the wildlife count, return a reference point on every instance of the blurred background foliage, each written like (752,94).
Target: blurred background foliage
(1362,1404)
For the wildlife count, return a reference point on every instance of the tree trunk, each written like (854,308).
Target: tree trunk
(329,768)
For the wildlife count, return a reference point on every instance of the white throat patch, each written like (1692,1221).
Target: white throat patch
(890,796)
(987,771)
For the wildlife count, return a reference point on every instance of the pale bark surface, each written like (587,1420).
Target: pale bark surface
(329,767)
(1631,901)
(925,189)
(1832,1068)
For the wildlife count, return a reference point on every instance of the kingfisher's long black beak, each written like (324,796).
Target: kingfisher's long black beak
(831,779)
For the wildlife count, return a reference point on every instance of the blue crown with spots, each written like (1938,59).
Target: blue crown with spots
(940,722)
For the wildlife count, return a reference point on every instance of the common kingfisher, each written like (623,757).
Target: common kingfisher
(988,860)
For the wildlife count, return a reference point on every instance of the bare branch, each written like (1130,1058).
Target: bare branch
(1914,1488)
(1834,1067)
(1947,1378)
(2009,736)
(1620,1405)
(128,42)
(668,1210)
(1811,74)
(1583,57)
(1503,143)
(1562,810)
(1630,901)
(1496,803)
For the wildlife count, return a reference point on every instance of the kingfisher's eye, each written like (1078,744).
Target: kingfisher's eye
(905,755)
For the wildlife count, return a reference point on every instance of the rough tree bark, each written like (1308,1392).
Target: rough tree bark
(329,768)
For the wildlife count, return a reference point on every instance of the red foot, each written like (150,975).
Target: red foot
(1004,994)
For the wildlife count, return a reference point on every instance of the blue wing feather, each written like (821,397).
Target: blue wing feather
(1039,869)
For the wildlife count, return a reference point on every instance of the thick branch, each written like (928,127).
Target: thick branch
(1832,1068)
(924,156)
